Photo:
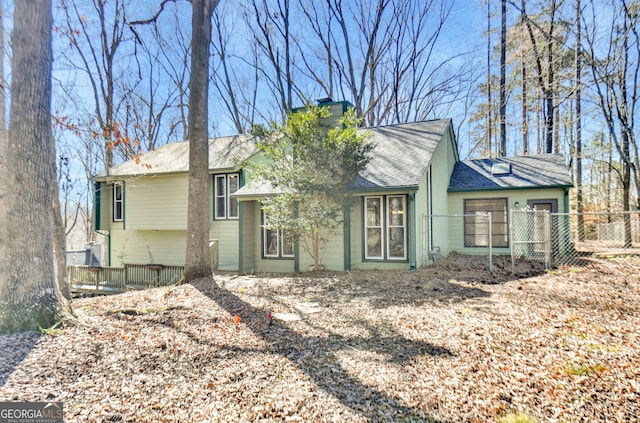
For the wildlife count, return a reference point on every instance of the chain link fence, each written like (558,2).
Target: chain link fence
(553,239)
(560,239)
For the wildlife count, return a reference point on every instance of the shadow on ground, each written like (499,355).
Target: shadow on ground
(13,349)
(316,356)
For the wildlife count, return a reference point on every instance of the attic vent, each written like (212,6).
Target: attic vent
(501,169)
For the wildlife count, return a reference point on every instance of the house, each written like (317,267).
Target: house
(414,173)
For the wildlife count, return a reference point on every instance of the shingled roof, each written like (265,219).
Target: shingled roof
(540,171)
(399,160)
(174,157)
(401,155)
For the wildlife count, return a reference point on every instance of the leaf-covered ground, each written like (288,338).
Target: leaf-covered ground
(445,344)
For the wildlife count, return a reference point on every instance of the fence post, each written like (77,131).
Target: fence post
(511,242)
(547,239)
(490,242)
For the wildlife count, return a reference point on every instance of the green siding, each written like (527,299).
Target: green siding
(132,246)
(456,206)
(226,232)
(430,197)
(96,206)
(421,209)
(441,168)
(332,258)
(106,209)
(249,234)
(157,203)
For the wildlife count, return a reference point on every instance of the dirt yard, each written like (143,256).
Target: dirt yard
(445,344)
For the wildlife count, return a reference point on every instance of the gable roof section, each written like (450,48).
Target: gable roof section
(400,158)
(401,155)
(174,157)
(540,171)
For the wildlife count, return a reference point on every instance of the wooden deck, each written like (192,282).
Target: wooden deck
(114,280)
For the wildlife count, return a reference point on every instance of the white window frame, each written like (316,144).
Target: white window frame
(279,241)
(224,196)
(387,224)
(114,207)
(392,225)
(368,226)
(231,200)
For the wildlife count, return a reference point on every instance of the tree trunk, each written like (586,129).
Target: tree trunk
(525,115)
(29,294)
(578,69)
(489,100)
(198,259)
(549,92)
(503,83)
(2,87)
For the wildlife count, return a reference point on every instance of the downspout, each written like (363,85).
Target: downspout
(430,209)
(240,225)
(566,200)
(109,249)
(346,229)
(296,245)
(124,206)
(240,237)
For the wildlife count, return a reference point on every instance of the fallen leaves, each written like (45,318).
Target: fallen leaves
(436,344)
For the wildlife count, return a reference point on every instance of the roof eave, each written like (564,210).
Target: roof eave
(405,188)
(108,178)
(563,186)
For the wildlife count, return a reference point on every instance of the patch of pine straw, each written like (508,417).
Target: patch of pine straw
(444,344)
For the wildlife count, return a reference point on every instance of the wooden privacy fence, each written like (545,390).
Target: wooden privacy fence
(112,280)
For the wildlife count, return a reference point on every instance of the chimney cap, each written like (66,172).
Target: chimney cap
(325,100)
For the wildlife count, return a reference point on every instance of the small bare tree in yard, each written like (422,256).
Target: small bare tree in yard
(311,168)
(29,295)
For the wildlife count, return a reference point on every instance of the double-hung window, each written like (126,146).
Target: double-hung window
(385,227)
(276,243)
(225,207)
(476,225)
(118,202)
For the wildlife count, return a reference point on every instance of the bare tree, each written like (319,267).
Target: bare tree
(502,151)
(236,90)
(489,100)
(523,89)
(578,119)
(3,124)
(616,74)
(148,101)
(166,62)
(381,56)
(29,294)
(269,22)
(544,76)
(97,52)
